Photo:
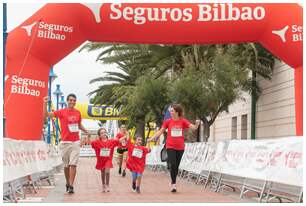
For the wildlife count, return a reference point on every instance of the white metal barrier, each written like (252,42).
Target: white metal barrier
(87,151)
(237,162)
(25,165)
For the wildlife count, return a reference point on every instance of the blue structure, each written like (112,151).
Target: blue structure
(52,77)
(166,112)
(62,102)
(57,93)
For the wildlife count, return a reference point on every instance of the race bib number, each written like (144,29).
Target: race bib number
(176,132)
(73,127)
(137,153)
(104,152)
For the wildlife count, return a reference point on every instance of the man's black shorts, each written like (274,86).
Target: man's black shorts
(122,150)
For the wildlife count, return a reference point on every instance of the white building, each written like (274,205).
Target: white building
(275,110)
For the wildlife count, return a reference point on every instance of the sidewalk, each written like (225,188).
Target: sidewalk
(155,188)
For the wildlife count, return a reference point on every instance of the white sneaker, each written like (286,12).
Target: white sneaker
(173,188)
(103,188)
(107,188)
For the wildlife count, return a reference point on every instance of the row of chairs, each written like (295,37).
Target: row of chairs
(17,189)
(265,190)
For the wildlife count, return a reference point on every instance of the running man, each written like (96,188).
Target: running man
(122,149)
(71,122)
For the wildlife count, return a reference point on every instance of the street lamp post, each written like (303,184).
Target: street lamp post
(62,102)
(57,93)
(52,77)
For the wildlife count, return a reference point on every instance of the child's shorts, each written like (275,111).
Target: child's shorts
(135,175)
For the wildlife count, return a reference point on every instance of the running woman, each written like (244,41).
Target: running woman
(122,149)
(104,149)
(175,139)
(136,162)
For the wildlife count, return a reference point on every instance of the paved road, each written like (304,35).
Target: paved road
(155,188)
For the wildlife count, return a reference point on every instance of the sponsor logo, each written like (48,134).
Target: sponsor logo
(49,31)
(29,28)
(296,33)
(281,33)
(206,13)
(102,111)
(26,86)
(72,118)
(95,9)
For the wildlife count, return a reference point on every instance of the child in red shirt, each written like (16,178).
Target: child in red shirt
(104,149)
(136,162)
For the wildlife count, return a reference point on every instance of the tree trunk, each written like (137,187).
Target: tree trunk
(206,130)
(198,134)
(140,129)
(149,130)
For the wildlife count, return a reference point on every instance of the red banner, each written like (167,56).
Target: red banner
(57,29)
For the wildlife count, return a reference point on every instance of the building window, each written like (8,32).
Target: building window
(234,127)
(244,126)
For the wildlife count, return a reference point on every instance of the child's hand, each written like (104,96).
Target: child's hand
(82,143)
(198,122)
(150,139)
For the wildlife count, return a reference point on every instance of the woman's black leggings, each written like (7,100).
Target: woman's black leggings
(174,159)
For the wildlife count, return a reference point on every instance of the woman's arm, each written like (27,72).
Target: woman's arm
(157,135)
(127,135)
(148,147)
(196,125)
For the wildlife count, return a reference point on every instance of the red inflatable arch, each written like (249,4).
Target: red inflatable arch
(57,29)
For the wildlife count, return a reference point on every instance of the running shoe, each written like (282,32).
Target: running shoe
(134,185)
(173,188)
(119,171)
(107,188)
(70,190)
(123,173)
(103,188)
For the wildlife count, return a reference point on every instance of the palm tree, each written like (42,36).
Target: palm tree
(136,60)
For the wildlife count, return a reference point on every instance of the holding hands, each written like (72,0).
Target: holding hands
(152,139)
(86,141)
(198,122)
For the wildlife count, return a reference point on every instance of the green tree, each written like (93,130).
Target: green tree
(222,70)
(210,83)
(146,102)
(209,91)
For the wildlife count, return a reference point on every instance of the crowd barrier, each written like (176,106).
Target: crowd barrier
(87,151)
(26,164)
(272,168)
(249,165)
